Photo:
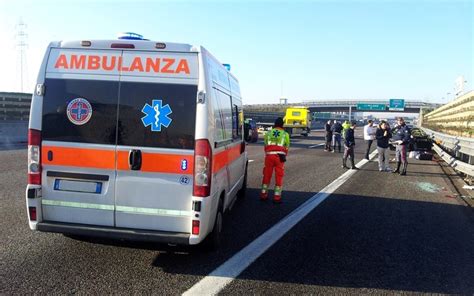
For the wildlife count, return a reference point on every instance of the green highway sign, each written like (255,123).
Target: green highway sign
(396,105)
(371,107)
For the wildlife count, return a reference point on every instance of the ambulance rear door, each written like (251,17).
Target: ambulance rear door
(156,135)
(79,123)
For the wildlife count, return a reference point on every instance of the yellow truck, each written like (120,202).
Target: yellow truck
(297,121)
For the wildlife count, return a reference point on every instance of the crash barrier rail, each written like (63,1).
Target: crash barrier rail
(455,118)
(458,152)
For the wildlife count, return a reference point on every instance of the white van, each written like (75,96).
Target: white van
(134,139)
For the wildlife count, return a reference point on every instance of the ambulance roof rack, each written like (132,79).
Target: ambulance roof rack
(130,36)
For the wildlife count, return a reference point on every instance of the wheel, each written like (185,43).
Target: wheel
(213,240)
(241,193)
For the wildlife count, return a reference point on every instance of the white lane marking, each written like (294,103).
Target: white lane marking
(229,270)
(251,160)
(317,145)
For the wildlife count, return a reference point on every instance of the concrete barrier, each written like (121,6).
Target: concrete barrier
(13,132)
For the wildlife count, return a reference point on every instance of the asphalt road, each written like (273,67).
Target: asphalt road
(378,233)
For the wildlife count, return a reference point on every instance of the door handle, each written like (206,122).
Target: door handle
(135,160)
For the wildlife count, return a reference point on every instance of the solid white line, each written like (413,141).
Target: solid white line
(229,270)
(317,145)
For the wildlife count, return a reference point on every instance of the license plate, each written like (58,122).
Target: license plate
(78,186)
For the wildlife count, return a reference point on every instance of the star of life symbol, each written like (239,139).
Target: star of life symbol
(276,134)
(157,115)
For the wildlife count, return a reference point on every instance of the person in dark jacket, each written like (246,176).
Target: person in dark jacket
(401,138)
(336,129)
(383,136)
(349,144)
(327,127)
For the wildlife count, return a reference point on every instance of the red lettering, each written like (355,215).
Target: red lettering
(112,63)
(136,64)
(155,64)
(166,68)
(120,63)
(93,63)
(78,62)
(182,67)
(61,62)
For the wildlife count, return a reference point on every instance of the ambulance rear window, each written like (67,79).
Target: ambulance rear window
(157,115)
(120,113)
(94,120)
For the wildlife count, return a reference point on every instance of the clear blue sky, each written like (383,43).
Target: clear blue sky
(315,49)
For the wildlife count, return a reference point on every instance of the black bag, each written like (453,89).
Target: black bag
(282,157)
(426,156)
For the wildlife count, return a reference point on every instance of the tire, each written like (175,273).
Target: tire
(243,191)
(213,240)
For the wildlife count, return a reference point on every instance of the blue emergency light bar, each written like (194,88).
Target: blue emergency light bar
(227,66)
(130,36)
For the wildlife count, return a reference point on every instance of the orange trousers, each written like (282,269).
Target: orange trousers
(272,162)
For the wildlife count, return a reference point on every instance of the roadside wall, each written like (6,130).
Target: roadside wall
(455,118)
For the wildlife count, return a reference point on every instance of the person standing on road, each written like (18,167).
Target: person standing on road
(349,145)
(327,128)
(369,136)
(383,135)
(401,138)
(345,126)
(277,143)
(336,129)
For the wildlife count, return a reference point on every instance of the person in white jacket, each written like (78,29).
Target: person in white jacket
(369,136)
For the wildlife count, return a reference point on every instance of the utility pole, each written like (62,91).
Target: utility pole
(22,44)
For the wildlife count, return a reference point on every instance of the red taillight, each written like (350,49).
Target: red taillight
(202,168)
(34,157)
(122,45)
(32,212)
(196,225)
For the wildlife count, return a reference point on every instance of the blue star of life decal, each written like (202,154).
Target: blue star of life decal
(157,115)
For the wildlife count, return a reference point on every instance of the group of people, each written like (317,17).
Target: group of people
(335,133)
(277,144)
(383,134)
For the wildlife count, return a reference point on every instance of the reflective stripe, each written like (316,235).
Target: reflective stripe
(149,211)
(81,205)
(278,190)
(282,140)
(276,152)
(130,210)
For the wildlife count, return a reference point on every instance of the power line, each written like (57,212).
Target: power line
(22,45)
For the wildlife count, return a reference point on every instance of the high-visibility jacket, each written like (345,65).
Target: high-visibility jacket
(277,141)
(345,127)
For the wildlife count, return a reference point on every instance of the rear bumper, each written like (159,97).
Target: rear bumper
(115,233)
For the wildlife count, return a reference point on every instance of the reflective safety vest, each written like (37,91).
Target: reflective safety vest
(277,141)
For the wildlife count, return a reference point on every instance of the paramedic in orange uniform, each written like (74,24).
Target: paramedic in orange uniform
(277,143)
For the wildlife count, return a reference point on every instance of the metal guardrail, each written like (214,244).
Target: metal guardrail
(459,145)
(458,165)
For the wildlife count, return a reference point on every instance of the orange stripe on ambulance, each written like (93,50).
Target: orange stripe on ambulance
(110,63)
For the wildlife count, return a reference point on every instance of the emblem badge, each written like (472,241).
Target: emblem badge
(79,111)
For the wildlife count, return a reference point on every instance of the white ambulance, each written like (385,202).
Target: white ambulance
(134,139)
